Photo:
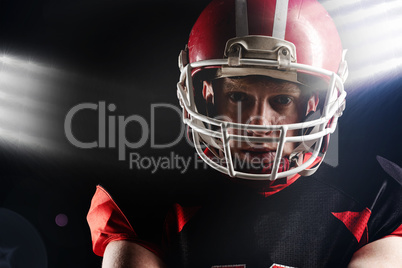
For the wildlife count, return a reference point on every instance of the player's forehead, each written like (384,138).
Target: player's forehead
(253,82)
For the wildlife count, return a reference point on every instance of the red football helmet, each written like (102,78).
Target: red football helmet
(294,40)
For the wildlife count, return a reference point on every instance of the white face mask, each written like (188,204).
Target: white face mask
(218,133)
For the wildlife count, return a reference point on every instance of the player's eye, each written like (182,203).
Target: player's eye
(282,100)
(237,96)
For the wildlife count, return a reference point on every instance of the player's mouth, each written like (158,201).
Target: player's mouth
(267,154)
(257,160)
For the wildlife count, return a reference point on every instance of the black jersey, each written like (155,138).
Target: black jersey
(311,223)
(317,221)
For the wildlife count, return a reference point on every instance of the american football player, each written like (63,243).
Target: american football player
(262,88)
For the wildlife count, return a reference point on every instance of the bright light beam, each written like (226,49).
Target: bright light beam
(372,32)
(376,71)
(331,6)
(345,19)
(23,101)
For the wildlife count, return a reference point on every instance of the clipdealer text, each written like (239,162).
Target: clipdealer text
(112,127)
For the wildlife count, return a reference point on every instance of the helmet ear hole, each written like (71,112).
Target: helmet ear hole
(203,91)
(312,103)
(208,92)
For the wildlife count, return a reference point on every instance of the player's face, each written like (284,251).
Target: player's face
(259,100)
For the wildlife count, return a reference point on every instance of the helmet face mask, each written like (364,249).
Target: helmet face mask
(254,57)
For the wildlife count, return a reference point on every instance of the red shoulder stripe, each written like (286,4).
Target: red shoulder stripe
(397,232)
(107,222)
(184,214)
(356,222)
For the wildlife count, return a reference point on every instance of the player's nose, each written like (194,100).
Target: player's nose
(263,118)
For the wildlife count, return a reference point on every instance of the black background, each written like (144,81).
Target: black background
(125,53)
